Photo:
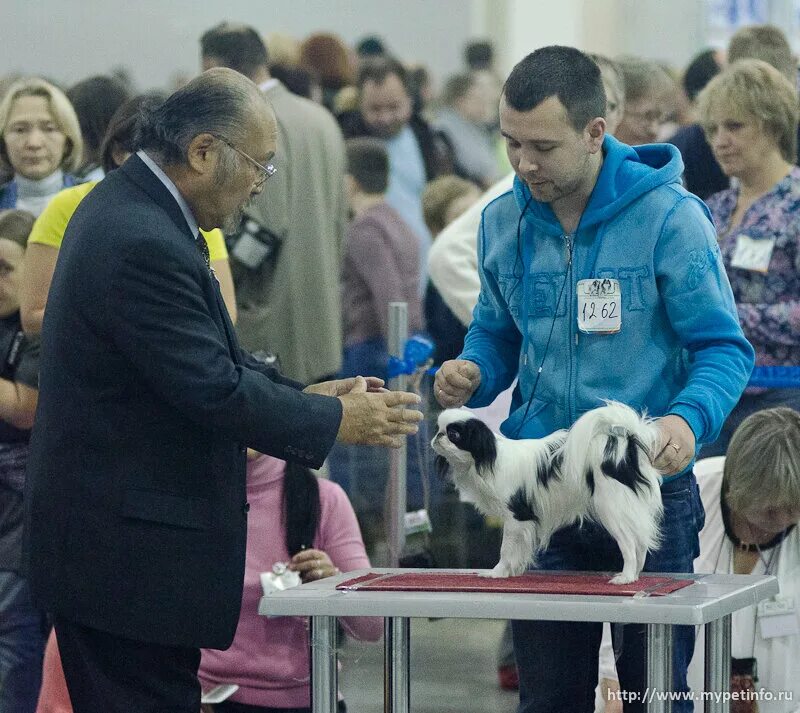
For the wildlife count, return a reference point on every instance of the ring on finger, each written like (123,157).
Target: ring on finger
(675,446)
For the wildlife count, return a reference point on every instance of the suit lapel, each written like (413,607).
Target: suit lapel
(135,169)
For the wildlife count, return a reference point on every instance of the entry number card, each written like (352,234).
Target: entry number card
(599,306)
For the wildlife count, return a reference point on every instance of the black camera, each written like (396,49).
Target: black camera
(253,244)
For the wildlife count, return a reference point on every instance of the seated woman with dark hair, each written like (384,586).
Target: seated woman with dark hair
(307,524)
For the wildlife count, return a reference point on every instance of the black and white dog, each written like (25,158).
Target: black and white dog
(600,469)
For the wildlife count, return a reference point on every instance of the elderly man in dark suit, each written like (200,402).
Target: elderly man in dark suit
(135,503)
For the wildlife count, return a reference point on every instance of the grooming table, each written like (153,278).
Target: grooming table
(401,594)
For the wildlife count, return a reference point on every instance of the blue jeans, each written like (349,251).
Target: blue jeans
(558,661)
(23,630)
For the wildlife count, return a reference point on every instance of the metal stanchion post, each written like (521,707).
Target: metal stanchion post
(718,663)
(396,664)
(324,673)
(398,334)
(659,667)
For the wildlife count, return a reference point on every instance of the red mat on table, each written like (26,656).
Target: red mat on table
(528,583)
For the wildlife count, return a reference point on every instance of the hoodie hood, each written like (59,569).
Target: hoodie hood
(628,172)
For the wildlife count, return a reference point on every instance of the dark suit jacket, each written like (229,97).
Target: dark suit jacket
(135,499)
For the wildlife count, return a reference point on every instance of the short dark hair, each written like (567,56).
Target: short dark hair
(562,72)
(95,100)
(121,131)
(220,101)
(479,54)
(701,70)
(378,68)
(237,47)
(16,226)
(368,164)
(370,46)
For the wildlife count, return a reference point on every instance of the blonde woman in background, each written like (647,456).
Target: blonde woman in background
(40,143)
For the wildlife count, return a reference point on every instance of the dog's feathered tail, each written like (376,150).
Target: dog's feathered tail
(612,447)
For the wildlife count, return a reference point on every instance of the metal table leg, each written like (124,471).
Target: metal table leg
(718,663)
(659,668)
(396,665)
(324,674)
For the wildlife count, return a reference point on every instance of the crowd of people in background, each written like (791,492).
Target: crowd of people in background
(380,179)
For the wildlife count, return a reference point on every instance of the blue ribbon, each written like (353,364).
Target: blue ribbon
(417,351)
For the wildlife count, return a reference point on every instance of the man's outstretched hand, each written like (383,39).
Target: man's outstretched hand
(373,416)
(339,387)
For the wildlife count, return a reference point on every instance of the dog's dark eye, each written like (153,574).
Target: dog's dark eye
(454,433)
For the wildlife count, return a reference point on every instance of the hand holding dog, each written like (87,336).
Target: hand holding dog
(455,382)
(377,418)
(676,446)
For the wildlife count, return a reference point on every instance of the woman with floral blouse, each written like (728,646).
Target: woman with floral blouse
(750,114)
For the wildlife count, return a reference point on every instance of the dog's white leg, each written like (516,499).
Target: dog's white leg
(516,552)
(630,570)
(641,554)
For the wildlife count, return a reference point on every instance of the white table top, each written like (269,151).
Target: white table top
(710,597)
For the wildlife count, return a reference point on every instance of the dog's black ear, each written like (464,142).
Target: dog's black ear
(442,466)
(481,443)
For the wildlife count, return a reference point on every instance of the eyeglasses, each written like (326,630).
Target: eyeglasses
(266,172)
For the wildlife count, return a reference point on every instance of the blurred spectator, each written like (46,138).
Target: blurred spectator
(701,172)
(750,113)
(284,50)
(648,89)
(48,232)
(381,265)
(307,524)
(445,198)
(95,100)
(23,627)
(381,262)
(298,81)
(701,70)
(288,250)
(370,46)
(415,155)
(420,86)
(40,141)
(614,86)
(463,122)
(479,55)
(767,43)
(327,58)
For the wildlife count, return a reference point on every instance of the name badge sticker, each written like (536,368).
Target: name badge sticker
(751,254)
(599,306)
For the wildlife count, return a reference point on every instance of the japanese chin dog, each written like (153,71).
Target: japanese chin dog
(600,469)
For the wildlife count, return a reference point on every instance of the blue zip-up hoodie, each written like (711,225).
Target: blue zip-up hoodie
(680,349)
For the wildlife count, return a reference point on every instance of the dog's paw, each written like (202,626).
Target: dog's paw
(623,578)
(501,570)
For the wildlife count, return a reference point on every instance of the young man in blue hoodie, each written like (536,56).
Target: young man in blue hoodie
(600,279)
